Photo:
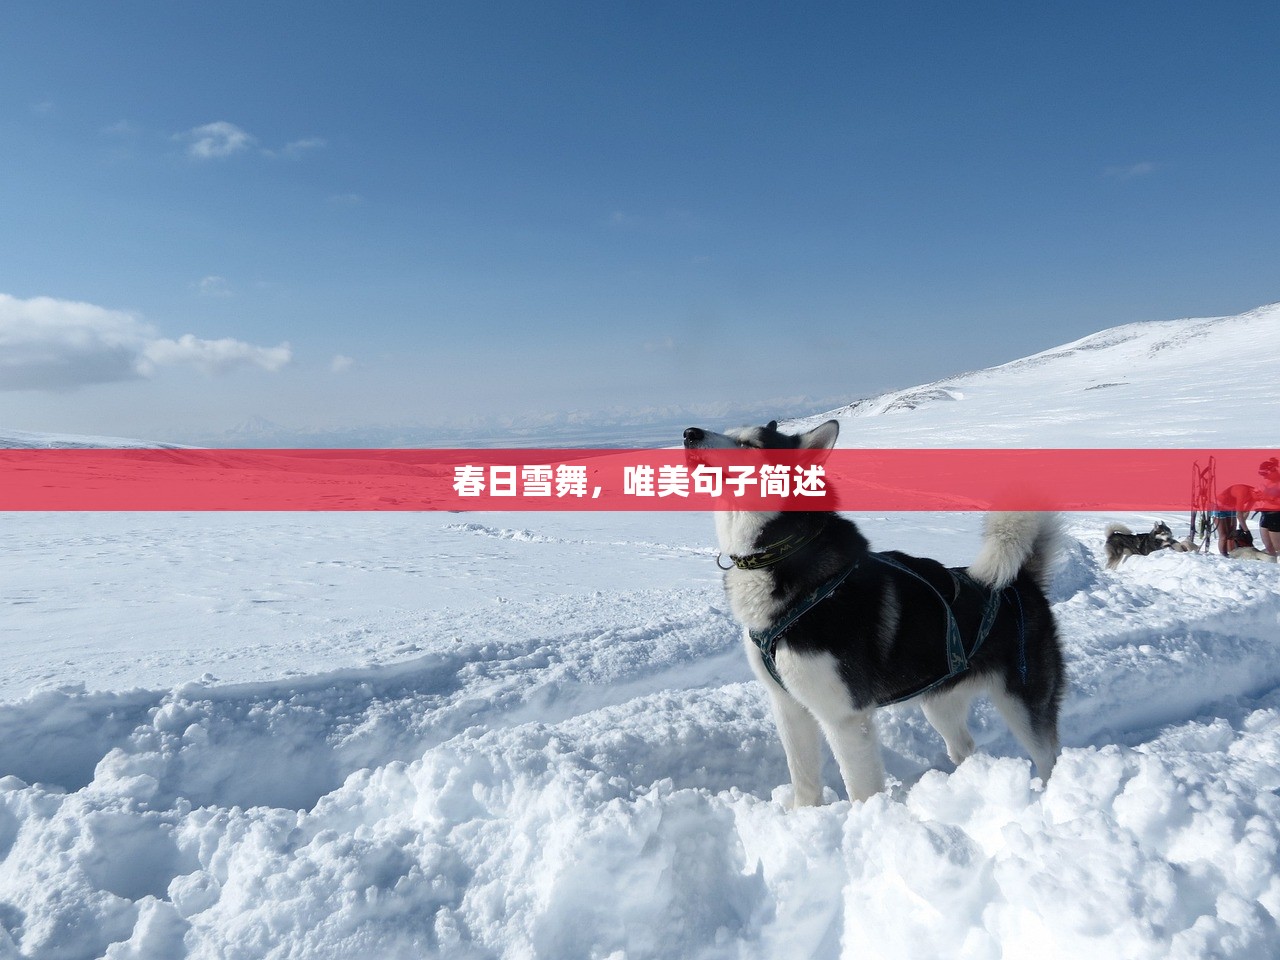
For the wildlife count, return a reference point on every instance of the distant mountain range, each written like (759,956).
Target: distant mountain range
(1157,383)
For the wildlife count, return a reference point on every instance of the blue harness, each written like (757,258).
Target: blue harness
(958,657)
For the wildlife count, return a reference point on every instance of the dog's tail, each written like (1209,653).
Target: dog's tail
(1013,542)
(1116,528)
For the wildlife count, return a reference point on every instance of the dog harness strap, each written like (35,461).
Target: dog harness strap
(990,608)
(767,640)
(957,657)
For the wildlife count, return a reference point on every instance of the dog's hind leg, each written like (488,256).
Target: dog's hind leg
(1034,728)
(949,714)
(802,744)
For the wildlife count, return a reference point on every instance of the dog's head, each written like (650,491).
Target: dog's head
(768,437)
(1163,534)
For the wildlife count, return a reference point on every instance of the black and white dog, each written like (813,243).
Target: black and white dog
(883,627)
(1123,543)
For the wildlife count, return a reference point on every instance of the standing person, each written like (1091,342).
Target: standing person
(1232,514)
(1269,470)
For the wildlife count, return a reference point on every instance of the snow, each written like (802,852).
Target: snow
(1161,383)
(535,735)
(23,439)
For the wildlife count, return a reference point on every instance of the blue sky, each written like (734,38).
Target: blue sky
(348,215)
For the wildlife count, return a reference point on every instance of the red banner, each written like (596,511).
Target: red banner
(533,479)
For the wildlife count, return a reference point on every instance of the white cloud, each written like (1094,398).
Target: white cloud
(298,147)
(341,363)
(213,287)
(220,139)
(60,345)
(1130,171)
(216,140)
(211,356)
(664,345)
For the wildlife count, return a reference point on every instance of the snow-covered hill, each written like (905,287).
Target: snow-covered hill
(474,736)
(26,440)
(1209,382)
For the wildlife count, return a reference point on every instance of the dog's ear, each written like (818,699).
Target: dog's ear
(821,437)
(771,425)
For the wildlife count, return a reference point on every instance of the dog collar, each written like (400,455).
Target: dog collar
(773,553)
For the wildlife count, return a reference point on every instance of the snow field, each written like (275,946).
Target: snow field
(396,736)
(596,775)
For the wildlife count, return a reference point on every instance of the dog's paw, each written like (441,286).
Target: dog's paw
(791,799)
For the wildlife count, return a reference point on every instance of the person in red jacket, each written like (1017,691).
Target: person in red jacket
(1232,514)
(1269,503)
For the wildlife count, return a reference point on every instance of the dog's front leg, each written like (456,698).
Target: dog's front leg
(857,748)
(815,678)
(802,743)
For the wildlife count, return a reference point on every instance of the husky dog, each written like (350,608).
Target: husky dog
(881,630)
(1123,543)
(1251,553)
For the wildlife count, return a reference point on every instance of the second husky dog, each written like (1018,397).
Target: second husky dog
(884,626)
(1123,543)
(1251,553)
